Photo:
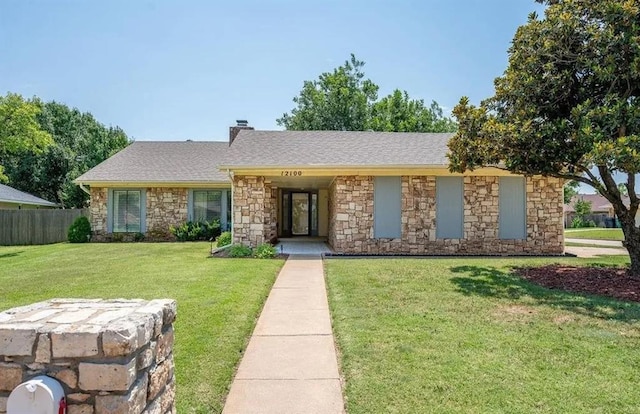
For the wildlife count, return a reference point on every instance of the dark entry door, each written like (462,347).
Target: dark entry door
(300,214)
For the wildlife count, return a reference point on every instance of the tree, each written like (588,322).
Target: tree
(399,113)
(20,131)
(567,106)
(343,100)
(80,142)
(340,100)
(570,190)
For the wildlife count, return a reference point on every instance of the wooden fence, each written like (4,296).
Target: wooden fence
(21,227)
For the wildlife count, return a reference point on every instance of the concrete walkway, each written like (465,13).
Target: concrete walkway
(612,243)
(290,365)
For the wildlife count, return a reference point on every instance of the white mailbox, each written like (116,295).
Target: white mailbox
(39,395)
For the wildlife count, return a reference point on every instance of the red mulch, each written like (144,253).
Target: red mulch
(605,281)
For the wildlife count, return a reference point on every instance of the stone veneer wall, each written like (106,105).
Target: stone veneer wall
(98,212)
(351,218)
(165,207)
(254,211)
(111,357)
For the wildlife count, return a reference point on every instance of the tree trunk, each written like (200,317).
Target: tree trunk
(632,244)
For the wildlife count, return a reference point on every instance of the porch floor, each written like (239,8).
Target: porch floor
(303,245)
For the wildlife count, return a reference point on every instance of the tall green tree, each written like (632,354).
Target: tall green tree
(80,142)
(20,131)
(567,106)
(339,100)
(570,190)
(399,113)
(344,100)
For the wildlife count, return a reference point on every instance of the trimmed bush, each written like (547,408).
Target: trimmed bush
(239,250)
(265,251)
(224,239)
(79,231)
(192,231)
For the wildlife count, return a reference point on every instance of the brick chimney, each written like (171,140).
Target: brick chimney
(235,130)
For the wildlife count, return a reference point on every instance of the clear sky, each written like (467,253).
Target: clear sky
(176,70)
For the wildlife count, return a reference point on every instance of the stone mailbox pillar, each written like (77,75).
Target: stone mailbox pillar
(111,356)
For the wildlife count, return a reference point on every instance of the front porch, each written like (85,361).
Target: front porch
(303,245)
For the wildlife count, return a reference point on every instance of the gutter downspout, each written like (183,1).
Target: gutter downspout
(230,174)
(83,188)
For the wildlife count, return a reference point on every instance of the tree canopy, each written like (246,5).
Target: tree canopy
(567,105)
(344,100)
(75,143)
(20,131)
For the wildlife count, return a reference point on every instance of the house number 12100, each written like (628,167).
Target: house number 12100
(291,173)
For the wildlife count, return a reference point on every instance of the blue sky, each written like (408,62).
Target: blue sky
(175,70)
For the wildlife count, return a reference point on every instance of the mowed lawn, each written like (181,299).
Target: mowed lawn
(218,299)
(594,234)
(463,335)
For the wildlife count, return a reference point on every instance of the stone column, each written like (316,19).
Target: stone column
(110,356)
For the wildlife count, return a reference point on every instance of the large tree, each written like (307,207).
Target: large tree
(567,105)
(80,142)
(20,131)
(343,100)
(399,113)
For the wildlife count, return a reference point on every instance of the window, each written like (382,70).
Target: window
(387,207)
(210,205)
(512,212)
(449,208)
(127,208)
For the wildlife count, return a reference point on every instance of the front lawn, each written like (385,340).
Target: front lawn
(218,299)
(465,335)
(594,234)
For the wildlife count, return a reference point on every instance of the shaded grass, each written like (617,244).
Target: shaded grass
(218,299)
(465,335)
(595,234)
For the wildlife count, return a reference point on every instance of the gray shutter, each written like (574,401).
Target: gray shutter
(512,214)
(387,207)
(449,207)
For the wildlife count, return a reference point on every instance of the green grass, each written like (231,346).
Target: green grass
(218,299)
(595,234)
(464,335)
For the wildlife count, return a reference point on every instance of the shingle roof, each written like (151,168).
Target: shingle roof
(337,148)
(162,161)
(11,195)
(598,202)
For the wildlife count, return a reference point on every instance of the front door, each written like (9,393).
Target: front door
(300,214)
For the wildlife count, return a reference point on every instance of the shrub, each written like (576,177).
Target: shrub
(138,237)
(192,231)
(240,250)
(577,223)
(79,231)
(224,239)
(265,251)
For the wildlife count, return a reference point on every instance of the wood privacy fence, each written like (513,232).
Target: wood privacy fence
(20,227)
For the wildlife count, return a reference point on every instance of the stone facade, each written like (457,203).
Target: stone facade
(255,210)
(351,218)
(110,357)
(98,212)
(165,207)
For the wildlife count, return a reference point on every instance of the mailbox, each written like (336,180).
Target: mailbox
(39,395)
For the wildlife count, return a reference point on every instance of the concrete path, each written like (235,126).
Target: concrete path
(613,243)
(290,365)
(303,245)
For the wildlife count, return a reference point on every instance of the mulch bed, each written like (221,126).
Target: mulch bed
(604,281)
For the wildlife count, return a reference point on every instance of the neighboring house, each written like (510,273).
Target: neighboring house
(365,192)
(601,210)
(12,199)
